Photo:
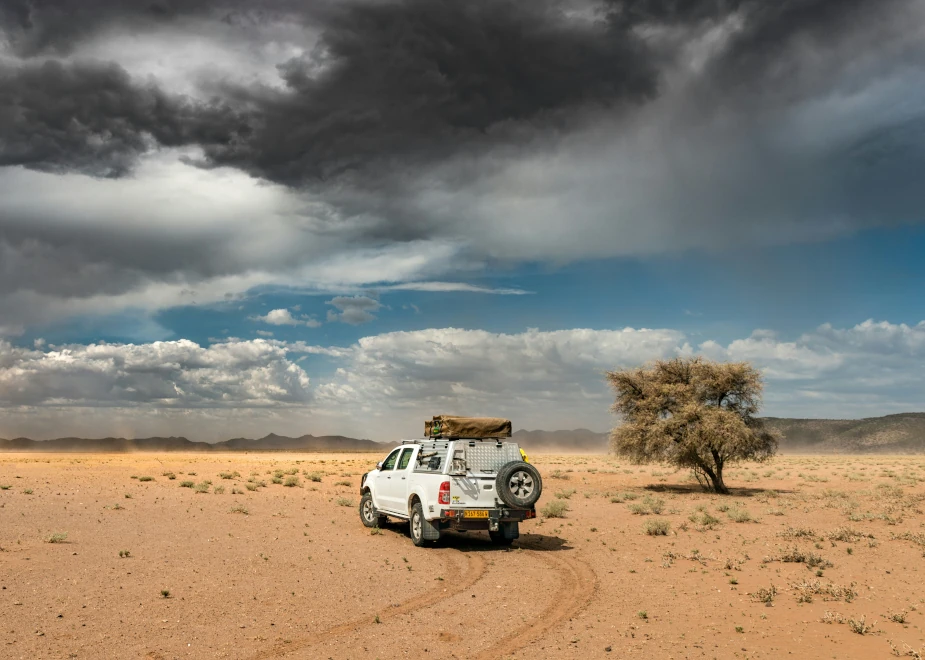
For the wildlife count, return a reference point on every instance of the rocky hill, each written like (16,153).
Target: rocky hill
(903,433)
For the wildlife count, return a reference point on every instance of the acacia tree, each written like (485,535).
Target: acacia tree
(693,413)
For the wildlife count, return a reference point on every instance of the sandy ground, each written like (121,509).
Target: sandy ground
(812,557)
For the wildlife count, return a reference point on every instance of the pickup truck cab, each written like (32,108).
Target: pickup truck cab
(461,484)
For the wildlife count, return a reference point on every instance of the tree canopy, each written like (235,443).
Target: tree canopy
(691,412)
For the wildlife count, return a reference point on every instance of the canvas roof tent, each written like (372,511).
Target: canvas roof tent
(452,426)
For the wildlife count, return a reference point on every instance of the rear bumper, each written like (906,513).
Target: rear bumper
(457,519)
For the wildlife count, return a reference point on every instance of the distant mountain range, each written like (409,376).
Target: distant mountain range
(271,442)
(903,433)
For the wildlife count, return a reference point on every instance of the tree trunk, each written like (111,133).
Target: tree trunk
(718,485)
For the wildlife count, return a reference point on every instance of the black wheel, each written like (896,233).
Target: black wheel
(519,485)
(368,513)
(498,538)
(417,524)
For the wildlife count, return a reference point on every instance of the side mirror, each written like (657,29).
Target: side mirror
(379,465)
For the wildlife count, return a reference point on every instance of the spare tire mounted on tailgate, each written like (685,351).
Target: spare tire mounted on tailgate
(518,484)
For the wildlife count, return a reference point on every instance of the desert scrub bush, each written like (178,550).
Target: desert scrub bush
(229,475)
(558,474)
(202,487)
(808,588)
(314,476)
(917,538)
(219,490)
(342,483)
(291,471)
(165,593)
(898,617)
(186,484)
(565,494)
(860,626)
(238,508)
(815,479)
(28,491)
(704,521)
(292,481)
(5,486)
(251,486)
(811,559)
(169,475)
(890,491)
(797,533)
(343,501)
(656,505)
(765,594)
(647,505)
(739,515)
(657,527)
(57,537)
(555,509)
(277,480)
(125,554)
(146,478)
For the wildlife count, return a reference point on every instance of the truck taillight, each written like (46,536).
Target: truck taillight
(444,497)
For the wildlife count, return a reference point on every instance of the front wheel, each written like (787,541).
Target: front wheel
(368,513)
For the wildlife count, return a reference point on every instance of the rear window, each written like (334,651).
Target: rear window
(405,459)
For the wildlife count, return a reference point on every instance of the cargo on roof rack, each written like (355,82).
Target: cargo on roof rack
(452,426)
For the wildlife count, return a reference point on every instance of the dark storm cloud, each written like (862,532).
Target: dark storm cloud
(411,82)
(390,86)
(529,130)
(91,117)
(54,27)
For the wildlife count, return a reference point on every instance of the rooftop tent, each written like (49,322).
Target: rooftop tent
(451,426)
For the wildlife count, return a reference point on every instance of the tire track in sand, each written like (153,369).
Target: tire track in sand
(457,580)
(578,586)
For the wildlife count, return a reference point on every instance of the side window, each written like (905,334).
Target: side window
(405,458)
(390,461)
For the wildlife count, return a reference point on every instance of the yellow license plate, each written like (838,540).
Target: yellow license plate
(475,513)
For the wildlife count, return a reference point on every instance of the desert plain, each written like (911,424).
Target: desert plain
(258,556)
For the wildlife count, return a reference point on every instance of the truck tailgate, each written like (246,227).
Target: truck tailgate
(472,491)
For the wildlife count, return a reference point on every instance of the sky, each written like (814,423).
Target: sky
(223,219)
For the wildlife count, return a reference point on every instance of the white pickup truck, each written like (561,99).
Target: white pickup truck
(460,484)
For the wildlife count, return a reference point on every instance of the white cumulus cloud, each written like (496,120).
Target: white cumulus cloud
(285,317)
(384,385)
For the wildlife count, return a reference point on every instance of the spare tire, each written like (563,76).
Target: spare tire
(519,485)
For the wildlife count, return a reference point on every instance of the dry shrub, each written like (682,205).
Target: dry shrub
(555,509)
(657,527)
(809,588)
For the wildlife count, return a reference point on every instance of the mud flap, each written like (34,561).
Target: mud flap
(510,530)
(429,531)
